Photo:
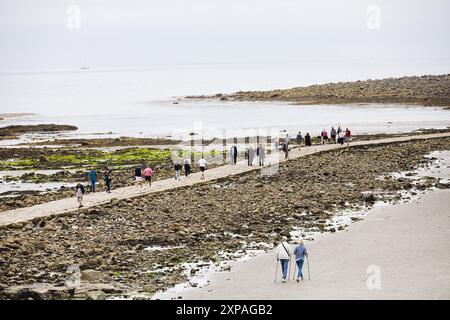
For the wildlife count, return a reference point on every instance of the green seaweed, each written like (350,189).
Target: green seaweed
(25,162)
(127,156)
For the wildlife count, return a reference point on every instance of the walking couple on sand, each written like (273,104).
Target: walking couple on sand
(285,253)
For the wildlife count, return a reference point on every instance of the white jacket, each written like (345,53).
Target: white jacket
(281,252)
(202,163)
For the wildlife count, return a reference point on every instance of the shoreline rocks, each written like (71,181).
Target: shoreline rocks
(427,90)
(11,132)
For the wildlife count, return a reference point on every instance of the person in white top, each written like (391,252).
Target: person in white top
(284,253)
(288,139)
(202,164)
(341,136)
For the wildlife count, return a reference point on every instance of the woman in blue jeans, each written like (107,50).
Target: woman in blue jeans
(284,253)
(300,253)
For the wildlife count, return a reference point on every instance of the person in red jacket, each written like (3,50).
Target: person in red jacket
(348,136)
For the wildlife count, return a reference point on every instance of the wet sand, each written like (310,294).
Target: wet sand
(407,242)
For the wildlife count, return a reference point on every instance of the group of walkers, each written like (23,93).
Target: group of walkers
(284,256)
(186,166)
(142,175)
(92,178)
(335,136)
(250,153)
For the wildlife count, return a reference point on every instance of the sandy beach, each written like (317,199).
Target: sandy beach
(407,242)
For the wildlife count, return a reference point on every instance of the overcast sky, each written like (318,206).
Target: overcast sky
(44,34)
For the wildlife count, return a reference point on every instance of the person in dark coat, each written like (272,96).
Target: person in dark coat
(233,154)
(333,135)
(308,140)
(299,138)
(107,178)
(177,166)
(187,167)
(138,176)
(285,148)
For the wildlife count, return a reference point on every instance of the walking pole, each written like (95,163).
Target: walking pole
(276,272)
(289,269)
(307,260)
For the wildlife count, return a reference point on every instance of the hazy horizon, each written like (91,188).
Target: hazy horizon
(60,35)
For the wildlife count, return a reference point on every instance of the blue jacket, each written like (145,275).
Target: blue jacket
(92,175)
(300,252)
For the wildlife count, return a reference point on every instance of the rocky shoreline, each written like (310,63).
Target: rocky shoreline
(12,132)
(141,245)
(429,90)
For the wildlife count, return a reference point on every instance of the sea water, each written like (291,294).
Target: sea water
(140,102)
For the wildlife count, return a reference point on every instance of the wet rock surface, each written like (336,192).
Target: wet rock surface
(140,244)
